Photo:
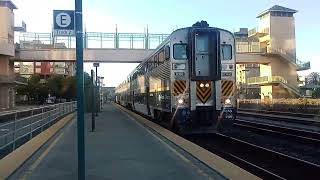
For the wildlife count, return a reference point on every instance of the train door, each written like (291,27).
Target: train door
(148,100)
(133,98)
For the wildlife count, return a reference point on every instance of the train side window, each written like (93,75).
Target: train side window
(180,51)
(150,65)
(167,52)
(161,56)
(155,60)
(226,51)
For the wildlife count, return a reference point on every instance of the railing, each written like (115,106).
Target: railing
(265,80)
(255,31)
(272,79)
(18,127)
(21,80)
(92,40)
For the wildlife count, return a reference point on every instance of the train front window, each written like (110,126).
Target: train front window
(180,51)
(202,43)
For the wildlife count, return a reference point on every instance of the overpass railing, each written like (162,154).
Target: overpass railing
(18,127)
(91,40)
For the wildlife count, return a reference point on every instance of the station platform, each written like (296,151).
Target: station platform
(119,148)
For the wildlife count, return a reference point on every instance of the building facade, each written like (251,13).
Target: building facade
(44,69)
(268,65)
(7,52)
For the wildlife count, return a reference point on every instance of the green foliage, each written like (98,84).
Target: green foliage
(69,88)
(316,93)
(56,85)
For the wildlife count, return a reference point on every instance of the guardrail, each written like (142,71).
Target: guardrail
(91,40)
(18,127)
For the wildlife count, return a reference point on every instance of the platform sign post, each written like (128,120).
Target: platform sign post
(63,22)
(80,89)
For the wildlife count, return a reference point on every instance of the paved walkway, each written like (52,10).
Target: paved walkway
(120,148)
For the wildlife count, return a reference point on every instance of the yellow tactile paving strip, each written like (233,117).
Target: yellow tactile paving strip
(215,162)
(14,160)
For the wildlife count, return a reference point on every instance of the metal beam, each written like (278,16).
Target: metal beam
(90,55)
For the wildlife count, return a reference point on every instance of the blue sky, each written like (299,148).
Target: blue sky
(166,15)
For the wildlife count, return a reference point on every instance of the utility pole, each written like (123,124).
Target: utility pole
(96,65)
(93,123)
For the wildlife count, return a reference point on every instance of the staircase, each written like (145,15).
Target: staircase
(290,58)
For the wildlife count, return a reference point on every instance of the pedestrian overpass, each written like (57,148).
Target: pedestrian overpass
(114,47)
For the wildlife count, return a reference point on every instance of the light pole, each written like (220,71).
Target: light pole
(96,65)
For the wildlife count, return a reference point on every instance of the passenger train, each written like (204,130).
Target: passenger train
(188,81)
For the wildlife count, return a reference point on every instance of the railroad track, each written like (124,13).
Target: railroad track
(263,162)
(298,118)
(299,135)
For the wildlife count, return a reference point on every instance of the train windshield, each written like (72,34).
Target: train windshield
(180,51)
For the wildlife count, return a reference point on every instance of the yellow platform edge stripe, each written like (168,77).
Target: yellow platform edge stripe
(226,168)
(10,163)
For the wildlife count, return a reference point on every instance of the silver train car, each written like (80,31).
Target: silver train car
(188,81)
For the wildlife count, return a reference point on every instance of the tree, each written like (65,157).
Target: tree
(316,93)
(69,90)
(54,84)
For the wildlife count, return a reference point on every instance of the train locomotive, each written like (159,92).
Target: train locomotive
(188,82)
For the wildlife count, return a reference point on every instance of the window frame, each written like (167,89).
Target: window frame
(222,53)
(167,52)
(186,45)
(161,57)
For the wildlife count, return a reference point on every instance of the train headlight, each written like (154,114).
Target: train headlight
(207,85)
(180,101)
(227,101)
(201,85)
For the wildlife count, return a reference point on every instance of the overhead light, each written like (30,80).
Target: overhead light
(201,85)
(180,101)
(227,101)
(207,85)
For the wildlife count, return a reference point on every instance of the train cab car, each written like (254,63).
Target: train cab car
(188,81)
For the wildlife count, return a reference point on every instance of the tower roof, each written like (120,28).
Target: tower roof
(7,3)
(277,8)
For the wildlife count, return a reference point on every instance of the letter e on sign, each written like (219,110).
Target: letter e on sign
(63,20)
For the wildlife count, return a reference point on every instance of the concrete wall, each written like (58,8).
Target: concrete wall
(282,32)
(7,50)
(265,70)
(4,65)
(280,92)
(266,93)
(284,69)
(7,24)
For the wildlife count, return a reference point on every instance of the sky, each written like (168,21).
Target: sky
(163,16)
